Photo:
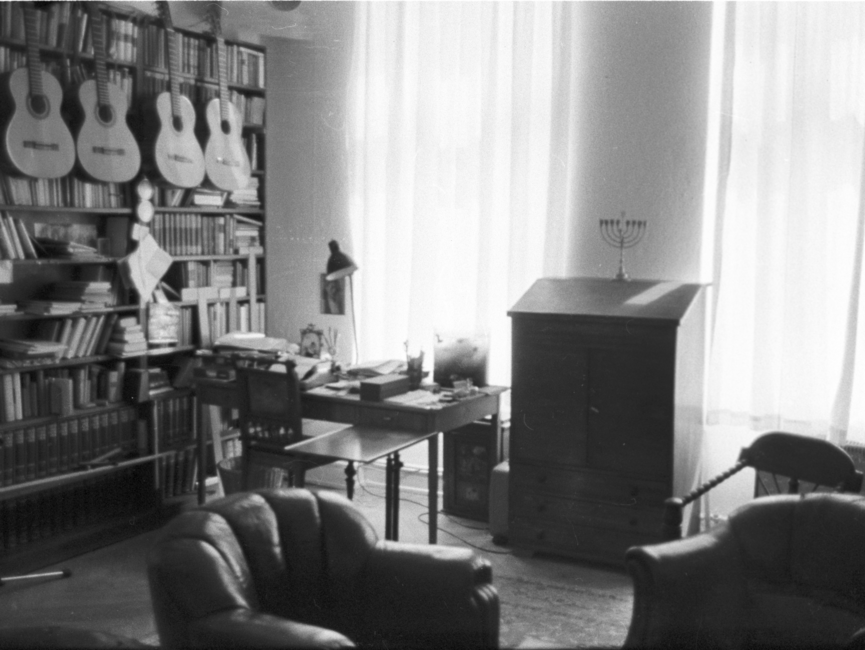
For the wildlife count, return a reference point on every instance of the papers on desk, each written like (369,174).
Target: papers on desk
(419,397)
(377,368)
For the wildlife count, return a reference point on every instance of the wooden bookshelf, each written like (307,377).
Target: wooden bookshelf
(63,507)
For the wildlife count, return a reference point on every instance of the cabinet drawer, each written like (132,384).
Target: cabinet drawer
(584,542)
(587,485)
(537,506)
(390,419)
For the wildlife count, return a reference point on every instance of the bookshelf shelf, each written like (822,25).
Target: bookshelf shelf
(65,209)
(60,480)
(252,212)
(49,515)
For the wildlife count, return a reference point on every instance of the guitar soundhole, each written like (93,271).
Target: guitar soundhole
(226,127)
(177,122)
(39,105)
(105,113)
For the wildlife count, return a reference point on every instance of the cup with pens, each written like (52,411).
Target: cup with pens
(331,344)
(414,366)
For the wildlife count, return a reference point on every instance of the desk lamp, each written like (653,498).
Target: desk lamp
(340,265)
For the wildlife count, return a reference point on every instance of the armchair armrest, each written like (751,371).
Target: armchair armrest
(244,628)
(436,596)
(687,593)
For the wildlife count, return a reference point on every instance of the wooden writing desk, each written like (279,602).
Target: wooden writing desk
(409,422)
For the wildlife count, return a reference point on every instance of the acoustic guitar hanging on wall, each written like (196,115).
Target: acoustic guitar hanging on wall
(174,156)
(36,140)
(225,159)
(107,150)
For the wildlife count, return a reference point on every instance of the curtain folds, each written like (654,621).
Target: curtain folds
(788,350)
(460,166)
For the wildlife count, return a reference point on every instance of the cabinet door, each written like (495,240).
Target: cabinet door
(549,401)
(631,410)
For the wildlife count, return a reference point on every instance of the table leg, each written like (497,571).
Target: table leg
(394,491)
(349,479)
(388,498)
(202,452)
(433,488)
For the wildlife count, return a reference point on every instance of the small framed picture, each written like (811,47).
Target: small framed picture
(332,296)
(310,341)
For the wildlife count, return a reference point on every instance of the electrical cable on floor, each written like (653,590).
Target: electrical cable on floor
(421,519)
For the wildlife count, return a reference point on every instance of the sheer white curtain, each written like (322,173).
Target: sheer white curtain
(459,153)
(788,347)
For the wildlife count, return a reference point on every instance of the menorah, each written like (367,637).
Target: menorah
(623,234)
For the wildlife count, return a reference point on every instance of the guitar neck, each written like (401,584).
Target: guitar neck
(222,76)
(173,63)
(99,54)
(34,63)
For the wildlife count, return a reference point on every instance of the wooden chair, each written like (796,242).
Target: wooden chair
(784,463)
(271,419)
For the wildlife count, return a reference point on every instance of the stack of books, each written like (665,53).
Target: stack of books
(89,293)
(247,196)
(66,249)
(30,349)
(127,338)
(247,235)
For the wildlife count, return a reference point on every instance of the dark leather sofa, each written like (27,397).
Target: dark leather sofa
(783,571)
(293,568)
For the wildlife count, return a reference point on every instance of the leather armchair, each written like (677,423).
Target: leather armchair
(783,571)
(293,568)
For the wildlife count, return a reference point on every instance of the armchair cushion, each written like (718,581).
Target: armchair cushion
(288,566)
(783,571)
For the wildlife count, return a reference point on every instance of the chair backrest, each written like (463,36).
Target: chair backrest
(269,410)
(784,463)
(793,464)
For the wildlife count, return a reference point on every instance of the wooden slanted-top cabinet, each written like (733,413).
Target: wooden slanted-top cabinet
(607,395)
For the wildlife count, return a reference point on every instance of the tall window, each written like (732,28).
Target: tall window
(788,348)
(459,156)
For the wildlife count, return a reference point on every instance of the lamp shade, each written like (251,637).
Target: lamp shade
(339,265)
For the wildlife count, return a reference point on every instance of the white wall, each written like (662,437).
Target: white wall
(642,119)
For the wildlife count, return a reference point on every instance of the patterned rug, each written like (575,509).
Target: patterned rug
(541,614)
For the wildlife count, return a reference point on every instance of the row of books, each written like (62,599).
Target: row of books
(171,420)
(80,336)
(216,273)
(190,233)
(197,56)
(34,451)
(65,192)
(221,320)
(66,26)
(59,391)
(177,472)
(63,509)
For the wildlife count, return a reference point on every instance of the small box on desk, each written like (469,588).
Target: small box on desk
(376,389)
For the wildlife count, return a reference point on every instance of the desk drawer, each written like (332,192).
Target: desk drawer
(332,411)
(392,419)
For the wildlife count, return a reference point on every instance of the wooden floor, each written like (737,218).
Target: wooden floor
(108,591)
